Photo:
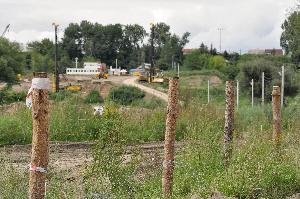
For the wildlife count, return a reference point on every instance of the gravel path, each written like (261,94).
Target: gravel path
(131,81)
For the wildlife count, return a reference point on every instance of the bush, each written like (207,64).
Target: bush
(59,96)
(125,95)
(253,70)
(93,97)
(8,96)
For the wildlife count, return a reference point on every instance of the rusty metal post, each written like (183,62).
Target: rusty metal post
(40,132)
(276,114)
(229,121)
(168,164)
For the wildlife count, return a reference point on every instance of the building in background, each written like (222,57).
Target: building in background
(187,51)
(275,52)
(89,68)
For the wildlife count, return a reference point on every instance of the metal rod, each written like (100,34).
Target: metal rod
(237,94)
(208,97)
(263,88)
(252,92)
(282,85)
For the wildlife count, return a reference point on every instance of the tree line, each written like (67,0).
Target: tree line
(129,44)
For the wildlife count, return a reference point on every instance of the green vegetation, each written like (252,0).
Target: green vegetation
(257,170)
(289,40)
(8,96)
(93,97)
(11,60)
(125,95)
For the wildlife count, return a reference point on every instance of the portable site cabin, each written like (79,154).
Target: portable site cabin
(89,68)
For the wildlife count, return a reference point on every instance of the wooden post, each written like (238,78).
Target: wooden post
(229,121)
(40,132)
(168,164)
(276,114)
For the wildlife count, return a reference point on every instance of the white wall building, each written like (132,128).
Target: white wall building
(89,68)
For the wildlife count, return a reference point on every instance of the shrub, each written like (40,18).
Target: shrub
(59,96)
(125,95)
(8,96)
(93,97)
(253,70)
(196,60)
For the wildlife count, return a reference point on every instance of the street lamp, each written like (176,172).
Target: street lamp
(76,61)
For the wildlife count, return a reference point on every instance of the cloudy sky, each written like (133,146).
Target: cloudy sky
(246,23)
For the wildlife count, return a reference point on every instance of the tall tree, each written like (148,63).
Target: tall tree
(44,47)
(172,50)
(203,48)
(290,40)
(11,60)
(73,41)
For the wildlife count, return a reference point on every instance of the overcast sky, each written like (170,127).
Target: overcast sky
(246,23)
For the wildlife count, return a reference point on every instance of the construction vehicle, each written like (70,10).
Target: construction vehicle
(73,87)
(158,78)
(103,75)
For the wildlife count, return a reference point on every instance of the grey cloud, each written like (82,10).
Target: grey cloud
(246,23)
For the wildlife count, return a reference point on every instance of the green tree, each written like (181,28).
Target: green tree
(196,60)
(203,48)
(72,41)
(290,40)
(44,47)
(217,62)
(11,60)
(172,49)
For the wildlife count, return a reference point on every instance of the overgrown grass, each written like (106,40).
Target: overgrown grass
(186,73)
(257,169)
(93,97)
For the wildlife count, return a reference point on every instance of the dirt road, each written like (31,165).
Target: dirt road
(65,156)
(131,81)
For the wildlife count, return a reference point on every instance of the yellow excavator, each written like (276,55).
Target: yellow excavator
(103,75)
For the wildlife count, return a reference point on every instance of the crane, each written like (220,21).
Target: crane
(5,30)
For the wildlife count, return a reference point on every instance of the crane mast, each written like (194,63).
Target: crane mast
(5,30)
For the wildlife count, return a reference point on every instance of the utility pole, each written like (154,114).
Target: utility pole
(252,92)
(220,32)
(282,85)
(116,63)
(263,88)
(56,65)
(237,94)
(152,52)
(208,99)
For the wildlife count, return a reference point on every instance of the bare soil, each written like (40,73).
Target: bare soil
(67,156)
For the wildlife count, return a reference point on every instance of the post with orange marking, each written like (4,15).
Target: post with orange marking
(276,114)
(40,132)
(169,148)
